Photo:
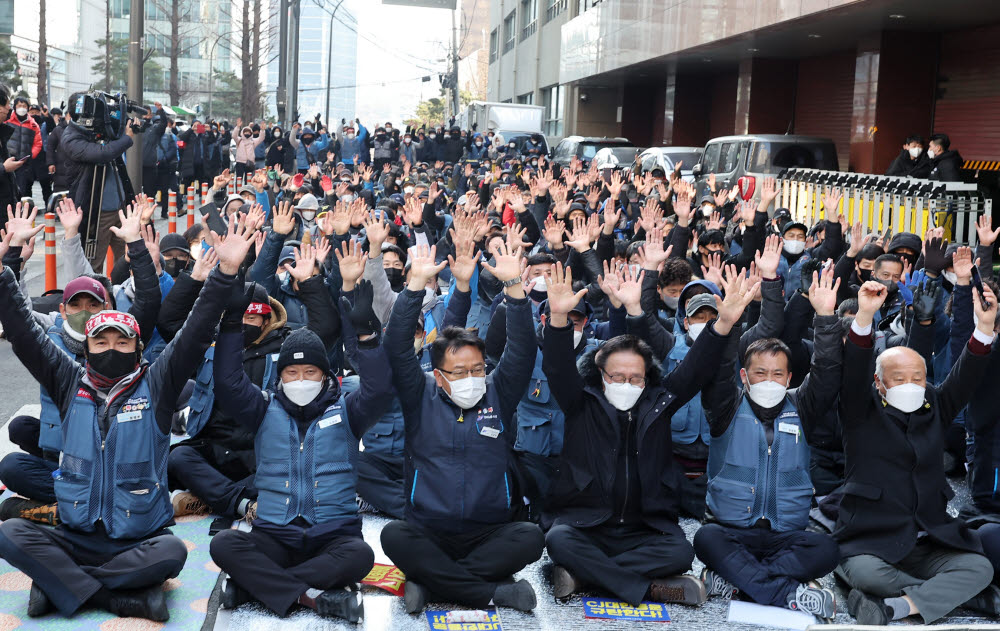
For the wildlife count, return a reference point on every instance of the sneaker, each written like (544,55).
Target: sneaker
(414,597)
(684,589)
(519,595)
(986,601)
(38,602)
(815,600)
(866,609)
(343,603)
(186,503)
(715,585)
(149,603)
(32,510)
(233,595)
(366,507)
(563,583)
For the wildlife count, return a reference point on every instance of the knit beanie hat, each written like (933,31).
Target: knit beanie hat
(302,346)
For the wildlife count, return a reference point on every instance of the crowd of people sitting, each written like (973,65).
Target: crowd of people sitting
(504,356)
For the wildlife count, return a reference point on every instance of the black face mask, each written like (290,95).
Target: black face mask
(174,266)
(307,140)
(250,333)
(113,364)
(864,275)
(891,285)
(910,258)
(395,277)
(247,136)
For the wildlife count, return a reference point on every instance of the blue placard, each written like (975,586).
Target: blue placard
(465,620)
(617,610)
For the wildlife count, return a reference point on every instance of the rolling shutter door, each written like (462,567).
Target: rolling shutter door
(824,100)
(968,103)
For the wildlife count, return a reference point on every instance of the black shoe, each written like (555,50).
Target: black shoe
(38,603)
(148,603)
(684,589)
(233,595)
(866,609)
(343,603)
(38,512)
(518,596)
(986,601)
(219,524)
(563,583)
(414,597)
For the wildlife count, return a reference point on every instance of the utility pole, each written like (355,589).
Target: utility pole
(329,62)
(455,101)
(280,98)
(293,62)
(135,33)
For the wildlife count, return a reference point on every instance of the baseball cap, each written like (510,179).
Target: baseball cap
(700,301)
(174,241)
(287,254)
(84,285)
(118,320)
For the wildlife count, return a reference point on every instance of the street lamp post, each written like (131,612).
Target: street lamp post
(329,62)
(135,33)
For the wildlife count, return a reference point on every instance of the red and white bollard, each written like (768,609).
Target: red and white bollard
(50,252)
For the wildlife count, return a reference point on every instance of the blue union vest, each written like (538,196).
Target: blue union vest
(50,430)
(689,422)
(749,480)
(120,479)
(203,395)
(540,421)
(312,478)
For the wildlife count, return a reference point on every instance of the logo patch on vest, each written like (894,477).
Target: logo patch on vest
(135,404)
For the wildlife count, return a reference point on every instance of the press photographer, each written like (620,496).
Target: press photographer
(94,145)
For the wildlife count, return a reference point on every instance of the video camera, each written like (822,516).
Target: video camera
(105,114)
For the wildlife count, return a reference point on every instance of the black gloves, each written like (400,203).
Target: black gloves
(925,298)
(242,296)
(361,314)
(934,256)
(806,273)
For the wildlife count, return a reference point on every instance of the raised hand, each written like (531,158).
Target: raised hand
(768,260)
(653,254)
(714,221)
(857,240)
(962,262)
(422,266)
(720,197)
(823,292)
(204,264)
(629,290)
(146,206)
(767,194)
(682,207)
(130,221)
(925,298)
(739,293)
(5,238)
(506,263)
(463,264)
(413,211)
(871,297)
(233,247)
(256,216)
(221,181)
(377,231)
(609,282)
(283,221)
(987,236)
(616,184)
(514,236)
(553,232)
(580,238)
(561,297)
(713,272)
(19,223)
(321,250)
(612,215)
(152,240)
(305,264)
(986,317)
(70,217)
(352,260)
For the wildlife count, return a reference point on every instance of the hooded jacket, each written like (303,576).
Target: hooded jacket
(945,167)
(245,148)
(905,166)
(26,138)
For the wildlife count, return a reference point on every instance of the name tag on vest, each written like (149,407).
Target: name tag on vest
(125,417)
(789,428)
(490,432)
(327,422)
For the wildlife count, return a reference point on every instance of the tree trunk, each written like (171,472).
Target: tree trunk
(174,88)
(43,93)
(107,48)
(258,56)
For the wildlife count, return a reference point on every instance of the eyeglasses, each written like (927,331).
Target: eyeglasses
(638,382)
(476,371)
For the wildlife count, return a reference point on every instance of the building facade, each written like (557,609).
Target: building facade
(865,73)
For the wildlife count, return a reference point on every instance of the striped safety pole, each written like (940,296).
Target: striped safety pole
(190,210)
(109,263)
(204,192)
(50,252)
(172,220)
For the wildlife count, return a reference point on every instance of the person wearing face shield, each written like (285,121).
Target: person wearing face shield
(112,548)
(458,541)
(759,488)
(306,547)
(615,501)
(912,161)
(902,553)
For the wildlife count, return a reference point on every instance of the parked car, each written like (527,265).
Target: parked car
(666,159)
(757,156)
(586,147)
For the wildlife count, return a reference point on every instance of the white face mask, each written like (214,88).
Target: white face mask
(541,284)
(915,152)
(308,215)
(349,136)
(406,140)
(794,247)
(282,276)
(398,182)
(622,395)
(951,277)
(577,337)
(432,136)
(21,111)
(408,190)
(303,391)
(767,394)
(707,210)
(479,144)
(467,392)
(931,154)
(694,330)
(447,136)
(905,398)
(347,199)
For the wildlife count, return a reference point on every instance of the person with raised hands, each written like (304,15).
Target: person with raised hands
(458,542)
(616,499)
(903,554)
(759,488)
(112,548)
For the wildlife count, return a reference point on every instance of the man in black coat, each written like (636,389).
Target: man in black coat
(912,161)
(54,157)
(8,186)
(616,498)
(151,175)
(945,162)
(902,553)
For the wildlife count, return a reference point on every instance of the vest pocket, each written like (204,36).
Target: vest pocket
(793,504)
(731,502)
(73,497)
(534,429)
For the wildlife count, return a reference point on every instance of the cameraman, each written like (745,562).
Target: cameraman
(86,151)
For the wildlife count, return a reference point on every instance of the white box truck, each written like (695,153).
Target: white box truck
(513,121)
